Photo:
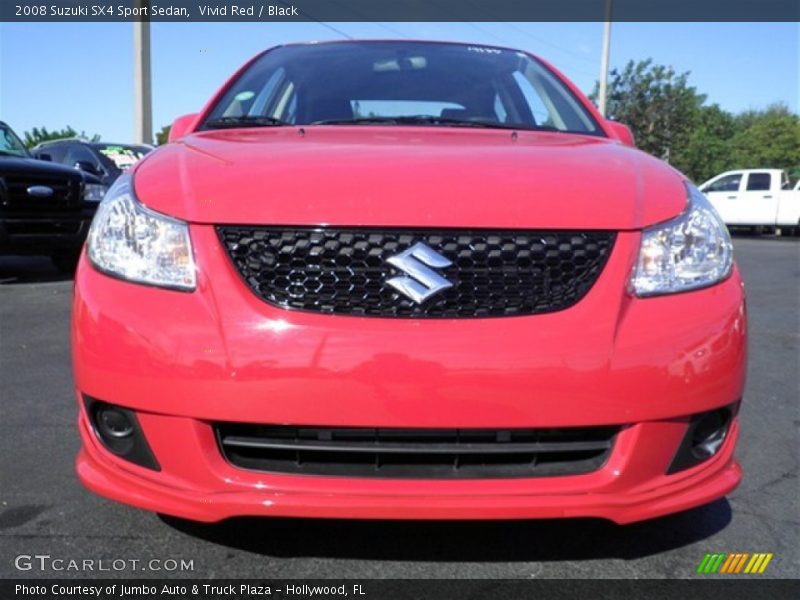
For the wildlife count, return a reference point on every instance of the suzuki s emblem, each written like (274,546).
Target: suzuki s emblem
(40,191)
(421,281)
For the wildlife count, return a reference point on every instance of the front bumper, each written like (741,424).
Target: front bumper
(186,360)
(228,493)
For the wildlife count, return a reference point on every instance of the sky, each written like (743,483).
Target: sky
(80,74)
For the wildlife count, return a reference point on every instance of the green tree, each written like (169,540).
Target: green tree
(769,138)
(162,136)
(656,103)
(37,136)
(670,120)
(707,151)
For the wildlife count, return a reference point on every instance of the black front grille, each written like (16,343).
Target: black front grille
(66,194)
(416,453)
(345,271)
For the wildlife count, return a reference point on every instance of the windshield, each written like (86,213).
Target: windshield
(400,83)
(120,156)
(10,144)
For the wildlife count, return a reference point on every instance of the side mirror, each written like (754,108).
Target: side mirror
(86,167)
(622,132)
(44,156)
(181,126)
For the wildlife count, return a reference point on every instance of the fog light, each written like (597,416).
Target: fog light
(704,437)
(113,423)
(709,433)
(119,431)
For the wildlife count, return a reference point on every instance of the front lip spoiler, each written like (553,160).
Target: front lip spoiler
(713,480)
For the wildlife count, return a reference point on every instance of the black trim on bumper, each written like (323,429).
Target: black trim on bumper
(416,453)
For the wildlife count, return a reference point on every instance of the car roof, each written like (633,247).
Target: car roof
(741,171)
(128,145)
(58,141)
(89,143)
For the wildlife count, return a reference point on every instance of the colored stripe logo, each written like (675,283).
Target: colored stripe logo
(734,563)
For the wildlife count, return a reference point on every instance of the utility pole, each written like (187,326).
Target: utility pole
(142,93)
(601,99)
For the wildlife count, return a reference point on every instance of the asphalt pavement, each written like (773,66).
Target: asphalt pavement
(45,511)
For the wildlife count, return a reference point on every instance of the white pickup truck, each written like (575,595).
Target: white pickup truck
(755,198)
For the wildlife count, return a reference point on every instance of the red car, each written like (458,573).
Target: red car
(406,280)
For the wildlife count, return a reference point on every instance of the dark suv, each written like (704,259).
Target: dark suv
(45,208)
(101,159)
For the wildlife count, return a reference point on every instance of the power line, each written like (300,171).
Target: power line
(530,35)
(551,44)
(324,24)
(332,28)
(392,29)
(505,43)
(487,32)
(533,37)
(362,16)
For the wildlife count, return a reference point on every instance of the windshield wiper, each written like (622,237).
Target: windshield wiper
(245,121)
(420,120)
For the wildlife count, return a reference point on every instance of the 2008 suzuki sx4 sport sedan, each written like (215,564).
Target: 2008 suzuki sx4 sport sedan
(406,280)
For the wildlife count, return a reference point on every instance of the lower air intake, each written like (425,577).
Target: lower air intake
(416,453)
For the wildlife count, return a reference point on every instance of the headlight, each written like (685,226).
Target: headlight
(135,243)
(691,251)
(93,192)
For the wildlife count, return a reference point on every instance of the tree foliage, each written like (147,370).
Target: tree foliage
(672,121)
(706,151)
(768,138)
(162,136)
(654,101)
(38,135)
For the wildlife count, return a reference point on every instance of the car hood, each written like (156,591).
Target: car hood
(409,176)
(13,165)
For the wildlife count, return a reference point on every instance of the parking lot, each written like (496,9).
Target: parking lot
(44,510)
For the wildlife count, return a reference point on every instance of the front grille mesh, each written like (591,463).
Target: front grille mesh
(416,453)
(344,271)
